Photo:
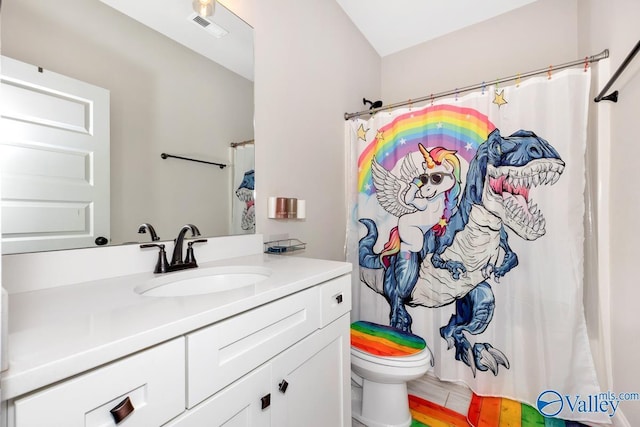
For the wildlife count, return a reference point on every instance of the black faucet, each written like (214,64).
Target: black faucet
(146,226)
(176,259)
(162,266)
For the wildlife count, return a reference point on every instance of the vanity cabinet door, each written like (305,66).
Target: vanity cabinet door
(239,405)
(311,380)
(152,381)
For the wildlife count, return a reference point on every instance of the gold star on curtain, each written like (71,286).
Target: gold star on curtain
(499,98)
(362,133)
(380,136)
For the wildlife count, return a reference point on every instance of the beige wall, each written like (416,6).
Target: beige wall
(312,66)
(614,25)
(164,98)
(519,41)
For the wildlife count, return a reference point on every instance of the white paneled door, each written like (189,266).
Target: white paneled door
(54,160)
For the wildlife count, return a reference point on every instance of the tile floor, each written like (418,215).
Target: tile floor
(450,395)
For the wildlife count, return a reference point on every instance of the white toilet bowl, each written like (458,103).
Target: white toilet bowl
(382,400)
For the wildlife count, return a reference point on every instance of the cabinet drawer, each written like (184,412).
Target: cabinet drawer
(220,353)
(335,299)
(153,380)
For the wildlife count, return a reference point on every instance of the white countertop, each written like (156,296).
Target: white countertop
(60,332)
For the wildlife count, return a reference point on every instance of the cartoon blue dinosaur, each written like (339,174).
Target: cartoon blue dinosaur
(245,194)
(455,265)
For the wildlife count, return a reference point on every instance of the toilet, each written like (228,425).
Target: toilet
(383,359)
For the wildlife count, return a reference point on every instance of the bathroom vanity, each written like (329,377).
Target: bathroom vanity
(270,353)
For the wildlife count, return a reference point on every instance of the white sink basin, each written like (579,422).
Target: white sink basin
(201,281)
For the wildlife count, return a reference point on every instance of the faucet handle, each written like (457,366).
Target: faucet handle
(190,258)
(191,242)
(161,264)
(152,245)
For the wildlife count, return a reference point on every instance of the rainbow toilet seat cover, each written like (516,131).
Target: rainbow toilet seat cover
(382,340)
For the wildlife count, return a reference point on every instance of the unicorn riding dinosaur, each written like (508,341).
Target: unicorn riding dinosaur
(460,254)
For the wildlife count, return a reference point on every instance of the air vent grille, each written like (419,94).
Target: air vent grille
(211,27)
(201,21)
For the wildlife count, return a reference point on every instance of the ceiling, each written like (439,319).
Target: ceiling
(175,19)
(394,25)
(389,25)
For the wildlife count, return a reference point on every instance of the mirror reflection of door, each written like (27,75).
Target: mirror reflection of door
(54,158)
(166,96)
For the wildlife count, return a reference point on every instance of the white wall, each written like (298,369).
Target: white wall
(614,25)
(164,98)
(312,66)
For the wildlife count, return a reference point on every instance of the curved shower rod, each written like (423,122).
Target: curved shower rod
(587,60)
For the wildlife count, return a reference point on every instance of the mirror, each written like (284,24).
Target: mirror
(163,97)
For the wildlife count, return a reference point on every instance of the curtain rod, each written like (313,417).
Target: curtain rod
(614,95)
(241,143)
(589,59)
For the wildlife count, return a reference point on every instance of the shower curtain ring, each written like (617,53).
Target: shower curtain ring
(549,72)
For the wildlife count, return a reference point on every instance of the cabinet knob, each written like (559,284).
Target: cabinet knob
(122,410)
(283,386)
(265,401)
(339,298)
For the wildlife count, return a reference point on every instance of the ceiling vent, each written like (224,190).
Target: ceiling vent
(213,29)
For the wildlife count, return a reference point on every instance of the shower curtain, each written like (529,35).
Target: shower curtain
(466,222)
(243,215)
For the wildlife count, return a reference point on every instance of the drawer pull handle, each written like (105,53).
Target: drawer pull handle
(265,401)
(283,386)
(339,298)
(122,410)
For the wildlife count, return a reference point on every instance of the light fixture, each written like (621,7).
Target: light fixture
(204,8)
